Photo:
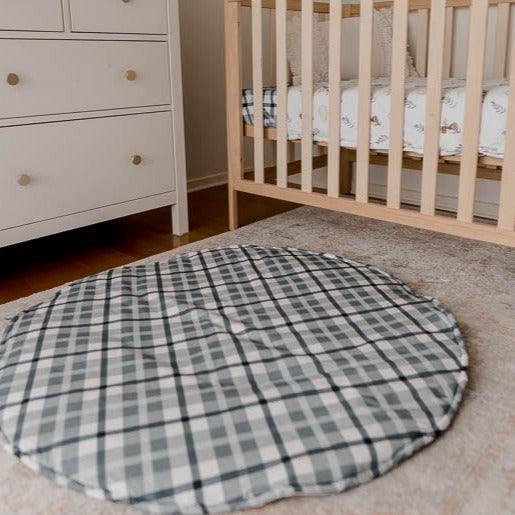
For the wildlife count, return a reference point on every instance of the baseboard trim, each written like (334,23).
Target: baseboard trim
(208,181)
(444,202)
(483,208)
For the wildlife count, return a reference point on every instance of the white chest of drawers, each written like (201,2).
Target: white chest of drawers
(91,120)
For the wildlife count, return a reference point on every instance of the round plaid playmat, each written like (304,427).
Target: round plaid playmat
(227,378)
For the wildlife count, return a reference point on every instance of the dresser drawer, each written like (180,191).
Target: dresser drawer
(44,15)
(133,16)
(54,77)
(57,169)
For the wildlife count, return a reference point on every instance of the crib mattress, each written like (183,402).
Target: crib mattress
(493,126)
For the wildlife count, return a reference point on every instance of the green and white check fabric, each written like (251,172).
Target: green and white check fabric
(227,378)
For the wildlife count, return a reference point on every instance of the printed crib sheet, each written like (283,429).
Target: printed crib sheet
(493,127)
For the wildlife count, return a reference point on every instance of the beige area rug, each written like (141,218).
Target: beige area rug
(471,468)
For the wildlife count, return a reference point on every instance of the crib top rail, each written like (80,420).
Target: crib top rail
(353,10)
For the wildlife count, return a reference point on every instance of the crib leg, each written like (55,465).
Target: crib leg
(233,209)
(233,60)
(345,172)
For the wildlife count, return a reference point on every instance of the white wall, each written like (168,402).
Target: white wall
(202,38)
(203,64)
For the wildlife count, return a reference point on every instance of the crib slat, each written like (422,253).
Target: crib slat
(282,93)
(272,65)
(307,95)
(449,34)
(422,41)
(507,198)
(400,37)
(364,93)
(257,80)
(335,31)
(473,107)
(501,40)
(437,35)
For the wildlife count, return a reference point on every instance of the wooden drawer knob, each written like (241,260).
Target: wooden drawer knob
(131,75)
(136,160)
(126,1)
(24,179)
(13,79)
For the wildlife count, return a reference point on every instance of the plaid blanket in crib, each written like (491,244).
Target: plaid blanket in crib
(269,107)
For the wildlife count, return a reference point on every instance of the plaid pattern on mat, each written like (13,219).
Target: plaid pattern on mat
(269,106)
(227,378)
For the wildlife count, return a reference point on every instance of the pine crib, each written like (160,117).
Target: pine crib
(433,50)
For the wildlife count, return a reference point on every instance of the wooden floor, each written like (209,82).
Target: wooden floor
(47,262)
